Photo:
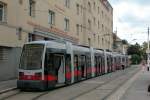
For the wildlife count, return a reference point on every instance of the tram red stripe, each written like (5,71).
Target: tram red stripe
(77,73)
(30,77)
(50,78)
(34,77)
(68,75)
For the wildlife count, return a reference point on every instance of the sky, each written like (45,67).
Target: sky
(131,19)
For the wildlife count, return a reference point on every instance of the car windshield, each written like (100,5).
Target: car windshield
(31,58)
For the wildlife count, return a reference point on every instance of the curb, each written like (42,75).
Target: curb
(7,90)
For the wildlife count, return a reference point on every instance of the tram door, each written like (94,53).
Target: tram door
(83,66)
(61,67)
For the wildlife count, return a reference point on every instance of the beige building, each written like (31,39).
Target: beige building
(82,22)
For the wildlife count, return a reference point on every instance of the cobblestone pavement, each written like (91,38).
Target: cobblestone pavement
(138,90)
(98,88)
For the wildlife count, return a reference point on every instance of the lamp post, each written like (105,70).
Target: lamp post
(148,51)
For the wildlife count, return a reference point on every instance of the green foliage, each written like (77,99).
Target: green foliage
(136,59)
(136,53)
(134,49)
(124,42)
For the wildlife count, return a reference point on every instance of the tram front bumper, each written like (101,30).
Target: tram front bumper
(31,85)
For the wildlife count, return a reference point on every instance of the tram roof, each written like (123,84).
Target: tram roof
(49,44)
(80,48)
(38,42)
(54,44)
(98,51)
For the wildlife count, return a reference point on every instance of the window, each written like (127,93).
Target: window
(94,5)
(4,53)
(32,8)
(94,37)
(46,38)
(77,29)
(20,2)
(81,28)
(81,9)
(67,3)
(51,17)
(98,40)
(89,41)
(94,20)
(89,6)
(75,61)
(102,14)
(89,24)
(98,10)
(102,27)
(66,24)
(31,37)
(77,9)
(98,25)
(3,8)
(102,41)
(19,33)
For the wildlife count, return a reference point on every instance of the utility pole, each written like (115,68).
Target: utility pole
(148,51)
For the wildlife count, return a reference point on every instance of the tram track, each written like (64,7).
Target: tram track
(10,93)
(105,83)
(7,90)
(37,95)
(73,98)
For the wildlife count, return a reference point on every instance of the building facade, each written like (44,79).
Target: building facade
(82,22)
(119,45)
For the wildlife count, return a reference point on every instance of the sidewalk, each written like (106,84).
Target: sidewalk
(7,85)
(138,90)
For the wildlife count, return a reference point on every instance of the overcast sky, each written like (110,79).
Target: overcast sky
(131,19)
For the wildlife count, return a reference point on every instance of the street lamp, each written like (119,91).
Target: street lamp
(148,51)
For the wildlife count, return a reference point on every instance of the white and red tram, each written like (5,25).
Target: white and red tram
(47,64)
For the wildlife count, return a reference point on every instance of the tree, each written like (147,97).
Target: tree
(134,49)
(136,59)
(136,53)
(125,42)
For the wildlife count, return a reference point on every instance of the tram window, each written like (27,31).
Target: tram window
(57,61)
(49,61)
(31,58)
(95,61)
(68,63)
(75,61)
(82,60)
(89,61)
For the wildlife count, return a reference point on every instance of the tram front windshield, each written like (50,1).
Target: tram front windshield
(31,58)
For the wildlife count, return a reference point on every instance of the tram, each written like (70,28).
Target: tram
(48,64)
